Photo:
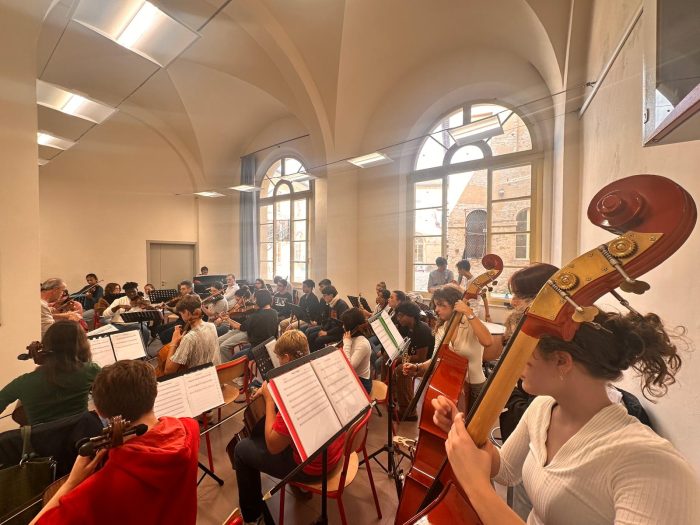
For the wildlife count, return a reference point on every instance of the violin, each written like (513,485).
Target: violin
(653,217)
(241,310)
(112,436)
(445,376)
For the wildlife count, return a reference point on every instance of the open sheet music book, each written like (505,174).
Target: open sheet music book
(385,329)
(317,395)
(189,393)
(108,348)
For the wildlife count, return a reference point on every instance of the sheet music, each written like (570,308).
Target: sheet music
(271,350)
(128,345)
(388,334)
(303,401)
(106,329)
(346,394)
(171,399)
(101,350)
(203,390)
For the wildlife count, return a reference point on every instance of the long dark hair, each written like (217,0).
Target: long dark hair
(526,282)
(68,349)
(616,342)
(449,294)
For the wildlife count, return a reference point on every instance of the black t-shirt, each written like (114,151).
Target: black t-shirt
(280,302)
(261,326)
(421,337)
(311,307)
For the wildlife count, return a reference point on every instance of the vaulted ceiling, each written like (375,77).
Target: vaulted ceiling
(329,64)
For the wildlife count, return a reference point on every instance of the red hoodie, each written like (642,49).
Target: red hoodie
(150,479)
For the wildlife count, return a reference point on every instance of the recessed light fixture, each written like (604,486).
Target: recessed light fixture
(52,141)
(138,26)
(212,194)
(481,129)
(62,100)
(42,161)
(244,187)
(373,159)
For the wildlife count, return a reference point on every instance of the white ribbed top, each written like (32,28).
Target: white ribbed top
(613,470)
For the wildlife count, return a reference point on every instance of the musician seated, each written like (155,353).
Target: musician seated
(133,301)
(151,478)
(408,315)
(309,303)
(59,387)
(583,459)
(471,338)
(165,331)
(356,346)
(93,292)
(259,284)
(148,288)
(198,344)
(231,287)
(331,328)
(464,274)
(215,305)
(202,272)
(270,449)
(441,276)
(381,301)
(51,291)
(282,298)
(396,298)
(256,328)
(287,287)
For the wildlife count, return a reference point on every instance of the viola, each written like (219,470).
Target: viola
(445,376)
(653,217)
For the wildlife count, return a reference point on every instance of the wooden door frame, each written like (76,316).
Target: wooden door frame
(148,254)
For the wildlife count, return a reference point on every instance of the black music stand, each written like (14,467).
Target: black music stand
(144,316)
(392,468)
(162,296)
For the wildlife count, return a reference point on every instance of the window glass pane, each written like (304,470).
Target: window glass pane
(428,194)
(466,194)
(504,245)
(512,182)
(301,186)
(291,166)
(282,231)
(299,272)
(300,209)
(466,153)
(420,276)
(282,189)
(300,251)
(266,251)
(266,270)
(522,246)
(428,222)
(282,208)
(500,289)
(282,259)
(265,214)
(265,233)
(426,249)
(505,214)
(432,152)
(299,230)
(515,137)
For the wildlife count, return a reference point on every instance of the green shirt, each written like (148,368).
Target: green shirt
(44,401)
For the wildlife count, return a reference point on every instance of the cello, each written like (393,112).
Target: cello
(653,217)
(445,376)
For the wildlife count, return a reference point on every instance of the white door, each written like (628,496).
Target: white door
(170,263)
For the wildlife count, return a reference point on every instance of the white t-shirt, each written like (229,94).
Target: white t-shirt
(466,344)
(358,351)
(613,470)
(46,317)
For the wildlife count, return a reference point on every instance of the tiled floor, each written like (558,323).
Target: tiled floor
(216,503)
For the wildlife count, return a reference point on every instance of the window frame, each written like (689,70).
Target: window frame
(533,157)
(292,196)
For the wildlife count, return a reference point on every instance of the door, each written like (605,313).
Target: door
(170,263)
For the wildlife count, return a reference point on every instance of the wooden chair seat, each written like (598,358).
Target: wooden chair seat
(334,476)
(379,391)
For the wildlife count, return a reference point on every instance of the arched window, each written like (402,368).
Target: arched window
(283,233)
(471,192)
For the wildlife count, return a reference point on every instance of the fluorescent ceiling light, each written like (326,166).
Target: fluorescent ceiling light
(244,187)
(52,141)
(212,194)
(42,161)
(62,100)
(138,26)
(481,129)
(373,159)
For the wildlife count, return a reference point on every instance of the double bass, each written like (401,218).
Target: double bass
(653,217)
(445,376)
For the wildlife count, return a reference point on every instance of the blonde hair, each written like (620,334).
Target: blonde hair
(292,343)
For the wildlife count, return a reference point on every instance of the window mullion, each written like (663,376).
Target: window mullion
(489,210)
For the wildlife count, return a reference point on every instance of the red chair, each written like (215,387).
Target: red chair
(344,472)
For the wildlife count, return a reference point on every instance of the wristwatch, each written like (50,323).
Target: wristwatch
(471,317)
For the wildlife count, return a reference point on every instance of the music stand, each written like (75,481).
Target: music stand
(162,296)
(391,468)
(141,317)
(298,312)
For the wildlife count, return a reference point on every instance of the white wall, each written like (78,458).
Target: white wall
(612,149)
